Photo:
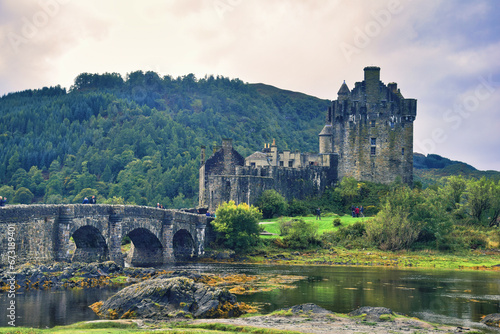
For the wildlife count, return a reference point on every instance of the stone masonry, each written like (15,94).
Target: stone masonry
(42,233)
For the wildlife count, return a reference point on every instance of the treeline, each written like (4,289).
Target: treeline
(136,139)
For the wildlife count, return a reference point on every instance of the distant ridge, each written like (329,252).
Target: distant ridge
(429,169)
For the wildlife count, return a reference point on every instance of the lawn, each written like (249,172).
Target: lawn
(325,224)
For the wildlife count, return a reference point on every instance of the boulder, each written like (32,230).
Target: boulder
(371,313)
(309,308)
(162,298)
(492,320)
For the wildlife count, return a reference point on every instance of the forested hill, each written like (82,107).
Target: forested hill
(137,139)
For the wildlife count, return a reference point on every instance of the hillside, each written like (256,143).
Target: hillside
(138,138)
(429,169)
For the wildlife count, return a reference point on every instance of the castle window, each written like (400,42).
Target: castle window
(403,151)
(290,163)
(373,141)
(252,164)
(372,123)
(373,150)
(281,164)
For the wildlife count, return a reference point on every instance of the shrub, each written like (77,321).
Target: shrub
(285,226)
(23,196)
(298,208)
(336,222)
(392,230)
(237,225)
(272,204)
(302,234)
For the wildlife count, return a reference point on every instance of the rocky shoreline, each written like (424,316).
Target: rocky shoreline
(198,296)
(312,319)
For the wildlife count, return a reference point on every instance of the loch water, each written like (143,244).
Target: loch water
(459,298)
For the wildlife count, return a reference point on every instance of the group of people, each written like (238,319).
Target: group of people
(3,201)
(92,200)
(159,206)
(357,211)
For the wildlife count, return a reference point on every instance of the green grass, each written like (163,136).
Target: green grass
(324,225)
(130,327)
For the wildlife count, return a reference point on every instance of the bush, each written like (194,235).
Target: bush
(298,208)
(392,230)
(302,235)
(285,226)
(272,204)
(237,226)
(23,196)
(336,222)
(348,236)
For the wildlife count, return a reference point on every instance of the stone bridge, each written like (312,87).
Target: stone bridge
(86,233)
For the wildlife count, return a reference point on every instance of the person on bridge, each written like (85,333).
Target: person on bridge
(3,201)
(85,201)
(93,200)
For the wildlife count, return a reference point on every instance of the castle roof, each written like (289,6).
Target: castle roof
(344,90)
(327,130)
(257,156)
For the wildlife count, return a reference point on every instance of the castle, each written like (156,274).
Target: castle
(368,135)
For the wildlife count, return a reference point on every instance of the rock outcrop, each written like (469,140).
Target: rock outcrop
(372,313)
(163,298)
(492,320)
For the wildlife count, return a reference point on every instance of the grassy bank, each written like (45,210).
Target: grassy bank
(478,259)
(123,326)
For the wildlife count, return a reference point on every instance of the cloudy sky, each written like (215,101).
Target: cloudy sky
(444,53)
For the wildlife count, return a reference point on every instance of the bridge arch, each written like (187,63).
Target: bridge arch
(90,245)
(183,245)
(146,249)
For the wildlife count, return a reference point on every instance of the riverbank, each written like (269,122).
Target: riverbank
(484,260)
(280,322)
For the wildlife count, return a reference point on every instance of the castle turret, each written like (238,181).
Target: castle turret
(372,84)
(343,93)
(202,155)
(274,153)
(373,130)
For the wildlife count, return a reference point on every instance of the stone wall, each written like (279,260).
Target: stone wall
(248,183)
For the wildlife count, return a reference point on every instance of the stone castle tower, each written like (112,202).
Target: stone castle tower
(371,130)
(368,135)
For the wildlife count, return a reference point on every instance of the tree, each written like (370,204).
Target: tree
(23,196)
(272,204)
(237,225)
(407,216)
(477,197)
(495,203)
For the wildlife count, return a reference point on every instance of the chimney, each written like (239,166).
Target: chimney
(372,84)
(227,149)
(202,156)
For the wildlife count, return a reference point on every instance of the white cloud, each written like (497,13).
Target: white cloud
(435,50)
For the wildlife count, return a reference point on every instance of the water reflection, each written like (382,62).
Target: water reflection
(458,298)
